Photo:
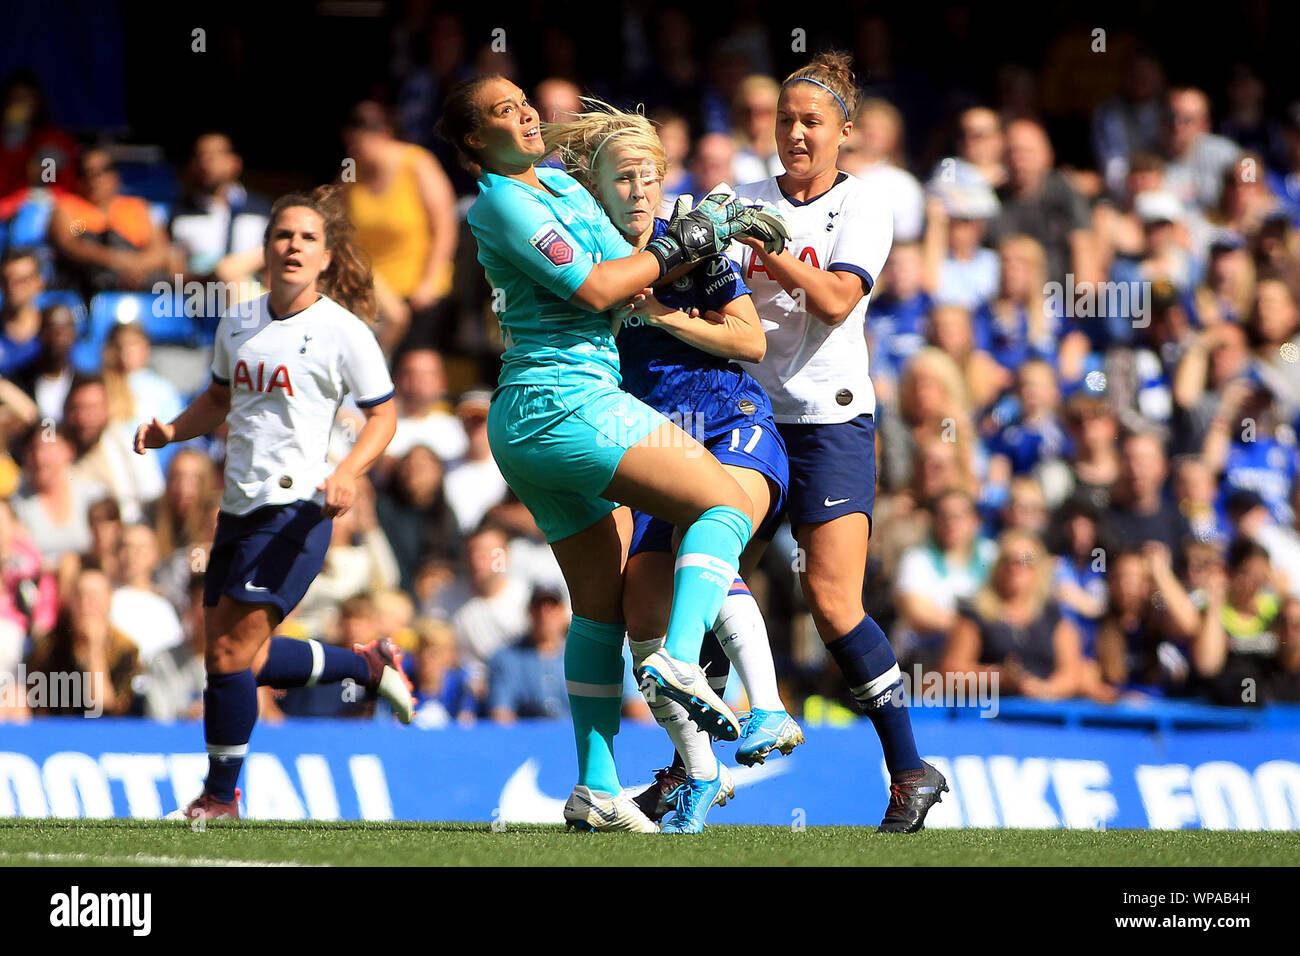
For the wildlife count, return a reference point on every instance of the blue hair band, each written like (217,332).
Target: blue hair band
(809,79)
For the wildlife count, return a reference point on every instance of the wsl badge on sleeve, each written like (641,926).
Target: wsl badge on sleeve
(551,244)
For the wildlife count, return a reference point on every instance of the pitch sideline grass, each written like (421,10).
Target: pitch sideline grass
(224,843)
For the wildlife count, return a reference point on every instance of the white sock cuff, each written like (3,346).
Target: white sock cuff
(878,685)
(227,750)
(317,662)
(741,603)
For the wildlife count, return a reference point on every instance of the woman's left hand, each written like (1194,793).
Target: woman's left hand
(651,310)
(340,492)
(622,311)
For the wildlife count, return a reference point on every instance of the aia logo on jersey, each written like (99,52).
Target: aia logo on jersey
(279,378)
(808,255)
(550,244)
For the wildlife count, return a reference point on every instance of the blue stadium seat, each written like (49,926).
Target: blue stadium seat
(85,357)
(113,308)
(154,313)
(31,223)
(152,180)
(69,297)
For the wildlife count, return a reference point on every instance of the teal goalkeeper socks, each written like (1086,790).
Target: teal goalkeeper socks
(593,671)
(706,565)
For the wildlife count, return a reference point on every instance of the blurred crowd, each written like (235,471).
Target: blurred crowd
(1088,382)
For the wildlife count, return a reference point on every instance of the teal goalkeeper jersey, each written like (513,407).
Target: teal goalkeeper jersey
(537,247)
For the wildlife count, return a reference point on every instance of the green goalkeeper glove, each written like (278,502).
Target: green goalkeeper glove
(767,226)
(706,230)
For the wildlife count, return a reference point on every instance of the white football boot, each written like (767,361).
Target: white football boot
(689,686)
(592,811)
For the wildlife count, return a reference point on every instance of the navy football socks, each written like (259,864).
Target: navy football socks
(229,713)
(868,664)
(294,663)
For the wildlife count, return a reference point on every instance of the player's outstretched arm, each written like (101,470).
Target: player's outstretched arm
(204,415)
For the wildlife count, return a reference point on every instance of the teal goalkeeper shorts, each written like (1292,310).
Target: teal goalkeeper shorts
(558,448)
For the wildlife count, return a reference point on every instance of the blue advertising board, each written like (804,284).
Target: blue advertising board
(1002,773)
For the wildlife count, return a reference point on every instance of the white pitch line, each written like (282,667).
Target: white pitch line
(140,859)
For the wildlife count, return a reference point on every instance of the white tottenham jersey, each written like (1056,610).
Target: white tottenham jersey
(813,373)
(287,377)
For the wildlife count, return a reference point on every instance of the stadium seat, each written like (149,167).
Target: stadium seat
(31,223)
(29,227)
(153,180)
(113,308)
(69,297)
(4,236)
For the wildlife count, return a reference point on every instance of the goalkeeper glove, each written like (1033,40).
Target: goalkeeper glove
(767,226)
(695,234)
(707,230)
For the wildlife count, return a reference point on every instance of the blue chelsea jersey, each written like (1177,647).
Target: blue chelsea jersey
(683,382)
(1265,466)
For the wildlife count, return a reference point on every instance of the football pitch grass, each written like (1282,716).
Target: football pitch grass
(78,843)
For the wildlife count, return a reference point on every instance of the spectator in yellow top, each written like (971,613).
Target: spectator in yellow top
(404,211)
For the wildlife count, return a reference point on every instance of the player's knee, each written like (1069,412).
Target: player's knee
(757,489)
(725,498)
(647,627)
(233,639)
(225,654)
(835,607)
(595,606)
(738,499)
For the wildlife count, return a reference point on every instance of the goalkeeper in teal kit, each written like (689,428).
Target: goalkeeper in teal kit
(574,447)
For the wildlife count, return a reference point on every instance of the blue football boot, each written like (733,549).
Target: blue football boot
(762,731)
(694,798)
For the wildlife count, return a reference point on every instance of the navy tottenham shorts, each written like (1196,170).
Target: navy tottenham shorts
(269,556)
(832,470)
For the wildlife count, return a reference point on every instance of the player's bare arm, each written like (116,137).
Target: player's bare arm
(733,332)
(204,415)
(340,488)
(831,296)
